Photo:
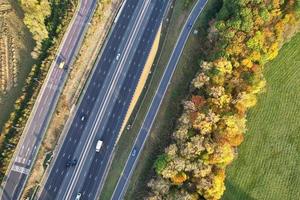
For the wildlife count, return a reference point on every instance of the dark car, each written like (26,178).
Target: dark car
(68,164)
(74,162)
(71,163)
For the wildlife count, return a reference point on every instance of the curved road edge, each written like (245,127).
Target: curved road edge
(145,129)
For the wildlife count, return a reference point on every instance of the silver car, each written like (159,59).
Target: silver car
(118,56)
(78,196)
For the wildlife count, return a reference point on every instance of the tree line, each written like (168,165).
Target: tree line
(45,19)
(243,37)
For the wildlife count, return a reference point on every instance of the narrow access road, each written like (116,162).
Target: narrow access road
(36,126)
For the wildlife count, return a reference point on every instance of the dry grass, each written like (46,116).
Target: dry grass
(94,39)
(143,79)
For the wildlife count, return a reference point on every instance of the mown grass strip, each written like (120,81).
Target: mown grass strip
(268,163)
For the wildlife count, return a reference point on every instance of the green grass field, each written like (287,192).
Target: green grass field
(268,165)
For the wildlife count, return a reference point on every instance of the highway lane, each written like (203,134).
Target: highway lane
(110,98)
(94,95)
(93,173)
(43,108)
(105,109)
(138,145)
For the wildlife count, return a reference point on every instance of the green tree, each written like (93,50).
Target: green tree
(161,163)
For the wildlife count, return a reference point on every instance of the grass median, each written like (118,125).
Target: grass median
(170,108)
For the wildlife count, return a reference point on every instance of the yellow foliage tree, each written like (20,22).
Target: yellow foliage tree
(36,12)
(222,156)
(245,100)
(179,178)
(223,65)
(247,63)
(215,192)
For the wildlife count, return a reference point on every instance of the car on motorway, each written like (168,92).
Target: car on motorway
(82,118)
(133,152)
(118,56)
(71,163)
(99,145)
(190,25)
(61,65)
(78,196)
(74,162)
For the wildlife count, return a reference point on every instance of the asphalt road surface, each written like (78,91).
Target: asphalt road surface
(138,145)
(44,106)
(105,101)
(91,175)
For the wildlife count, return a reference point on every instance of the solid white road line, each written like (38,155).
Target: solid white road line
(100,116)
(156,93)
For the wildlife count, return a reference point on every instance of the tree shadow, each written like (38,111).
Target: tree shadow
(235,192)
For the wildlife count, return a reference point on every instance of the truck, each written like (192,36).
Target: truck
(99,145)
(61,65)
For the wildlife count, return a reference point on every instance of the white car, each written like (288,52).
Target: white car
(99,145)
(118,56)
(78,196)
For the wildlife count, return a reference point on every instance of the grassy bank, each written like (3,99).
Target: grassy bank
(268,163)
(171,106)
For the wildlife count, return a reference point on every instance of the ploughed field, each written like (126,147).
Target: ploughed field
(7,52)
(16,44)
(268,164)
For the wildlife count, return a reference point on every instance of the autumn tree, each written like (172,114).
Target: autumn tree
(36,12)
(245,34)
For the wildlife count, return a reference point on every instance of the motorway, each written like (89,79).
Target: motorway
(104,103)
(86,183)
(145,129)
(45,104)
